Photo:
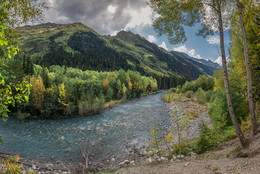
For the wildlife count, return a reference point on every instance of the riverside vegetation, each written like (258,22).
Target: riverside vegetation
(206,92)
(58,92)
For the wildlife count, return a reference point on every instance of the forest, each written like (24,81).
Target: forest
(58,92)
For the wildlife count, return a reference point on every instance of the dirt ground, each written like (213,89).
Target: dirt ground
(229,158)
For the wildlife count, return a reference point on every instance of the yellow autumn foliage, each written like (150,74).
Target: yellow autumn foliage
(62,95)
(37,92)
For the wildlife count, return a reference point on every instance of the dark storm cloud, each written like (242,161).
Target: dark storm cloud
(94,13)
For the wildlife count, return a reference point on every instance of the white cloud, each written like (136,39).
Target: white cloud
(213,40)
(139,17)
(151,38)
(163,45)
(111,9)
(219,61)
(191,53)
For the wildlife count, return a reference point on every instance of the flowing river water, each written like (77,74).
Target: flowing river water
(111,132)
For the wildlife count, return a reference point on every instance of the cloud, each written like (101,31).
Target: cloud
(213,40)
(139,17)
(219,61)
(191,53)
(163,45)
(151,38)
(105,16)
(111,9)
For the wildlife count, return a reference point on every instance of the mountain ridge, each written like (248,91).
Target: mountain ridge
(77,45)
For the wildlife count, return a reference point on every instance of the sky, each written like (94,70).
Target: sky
(108,17)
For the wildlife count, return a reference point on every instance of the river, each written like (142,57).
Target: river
(127,124)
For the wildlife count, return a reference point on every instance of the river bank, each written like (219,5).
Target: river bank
(227,158)
(110,135)
(135,150)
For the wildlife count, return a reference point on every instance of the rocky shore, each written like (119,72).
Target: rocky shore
(41,167)
(132,156)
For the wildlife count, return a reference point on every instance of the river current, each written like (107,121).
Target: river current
(127,124)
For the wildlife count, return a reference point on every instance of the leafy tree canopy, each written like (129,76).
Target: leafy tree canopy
(12,14)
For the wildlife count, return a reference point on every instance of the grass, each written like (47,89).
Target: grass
(173,97)
(215,169)
(191,114)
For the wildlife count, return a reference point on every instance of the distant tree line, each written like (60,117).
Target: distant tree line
(64,92)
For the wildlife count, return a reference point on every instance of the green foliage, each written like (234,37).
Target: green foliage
(71,91)
(172,90)
(219,112)
(156,142)
(12,94)
(200,96)
(238,73)
(109,94)
(207,139)
(211,137)
(182,149)
(13,13)
(173,16)
(203,82)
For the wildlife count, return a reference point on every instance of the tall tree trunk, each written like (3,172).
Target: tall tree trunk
(225,74)
(248,69)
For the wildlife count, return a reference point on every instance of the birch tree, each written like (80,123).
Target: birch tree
(175,14)
(248,69)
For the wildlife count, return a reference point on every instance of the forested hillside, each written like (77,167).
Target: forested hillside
(76,45)
(64,92)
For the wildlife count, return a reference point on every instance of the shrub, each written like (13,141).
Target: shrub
(189,94)
(11,166)
(203,82)
(178,91)
(219,112)
(173,90)
(209,94)
(168,97)
(207,139)
(200,96)
(182,149)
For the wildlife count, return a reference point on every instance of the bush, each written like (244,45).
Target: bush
(207,139)
(182,149)
(200,96)
(189,94)
(11,166)
(203,82)
(219,112)
(168,97)
(172,90)
(209,94)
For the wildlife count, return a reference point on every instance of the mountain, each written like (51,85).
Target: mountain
(207,62)
(76,45)
(172,61)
